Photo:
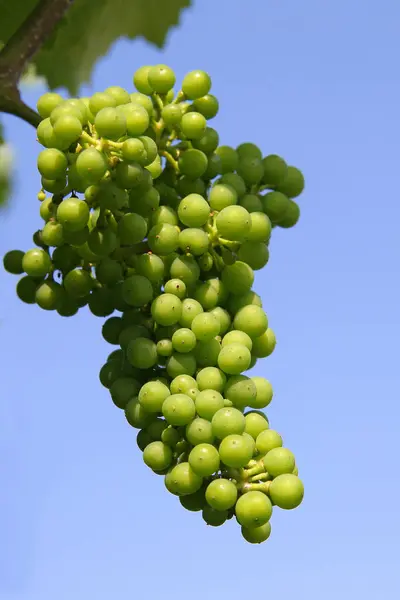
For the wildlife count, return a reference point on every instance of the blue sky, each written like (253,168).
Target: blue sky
(80,515)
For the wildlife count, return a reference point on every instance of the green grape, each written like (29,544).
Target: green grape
(73,214)
(131,332)
(120,95)
(256,422)
(267,440)
(194,240)
(48,295)
(260,228)
(55,186)
(221,494)
(208,402)
(155,168)
(207,105)
(214,518)
(211,378)
(196,84)
(67,130)
(178,409)
(140,80)
(221,196)
(229,159)
(128,175)
(238,278)
(151,266)
(101,302)
(156,428)
(143,100)
(250,169)
(176,287)
(275,204)
(182,384)
(143,439)
(182,480)
(26,289)
(110,372)
(152,395)
(249,150)
(186,269)
(142,353)
(165,331)
(291,216)
(171,115)
(136,118)
(293,183)
(264,393)
(253,509)
(235,451)
(111,330)
(132,228)
(151,148)
(110,123)
(223,317)
(133,150)
(193,210)
(46,135)
(52,163)
(194,502)
(240,390)
(164,348)
(253,204)
(136,415)
(213,167)
(236,302)
(166,309)
(256,535)
(65,258)
(205,326)
(237,337)
(149,202)
(193,126)
(47,209)
(275,170)
(137,290)
(91,165)
(186,186)
(109,271)
(157,456)
(164,214)
(279,461)
(286,491)
(193,163)
(264,345)
(235,181)
(163,238)
(204,459)
(47,103)
(12,262)
(168,195)
(183,340)
(206,353)
(227,421)
(252,320)
(36,263)
(233,223)
(123,390)
(211,293)
(101,100)
(161,79)
(65,108)
(199,431)
(234,358)
(181,364)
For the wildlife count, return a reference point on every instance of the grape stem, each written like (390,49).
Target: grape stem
(171,160)
(19,51)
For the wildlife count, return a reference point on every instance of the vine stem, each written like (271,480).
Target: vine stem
(20,49)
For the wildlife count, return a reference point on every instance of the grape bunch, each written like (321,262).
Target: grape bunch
(151,222)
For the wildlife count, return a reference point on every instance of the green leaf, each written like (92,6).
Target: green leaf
(6,156)
(88,30)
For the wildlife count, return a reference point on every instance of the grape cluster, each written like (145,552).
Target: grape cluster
(148,216)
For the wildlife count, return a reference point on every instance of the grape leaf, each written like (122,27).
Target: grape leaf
(88,30)
(5,169)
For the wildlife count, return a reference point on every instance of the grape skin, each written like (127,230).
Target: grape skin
(163,239)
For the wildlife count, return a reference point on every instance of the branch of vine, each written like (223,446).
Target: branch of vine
(20,49)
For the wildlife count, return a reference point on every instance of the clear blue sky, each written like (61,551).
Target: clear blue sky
(80,515)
